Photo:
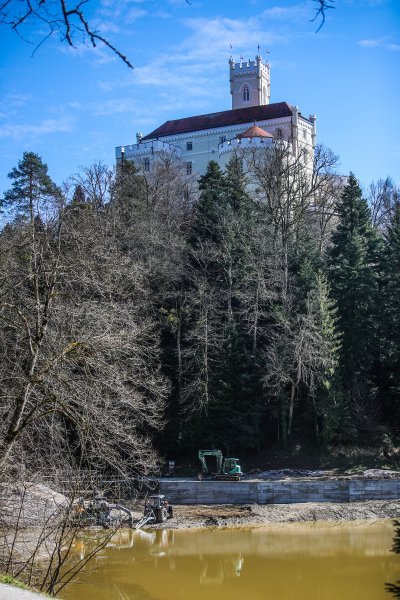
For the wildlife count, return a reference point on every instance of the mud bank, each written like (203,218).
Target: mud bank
(227,515)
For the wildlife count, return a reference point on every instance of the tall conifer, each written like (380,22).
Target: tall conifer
(390,316)
(354,279)
(207,212)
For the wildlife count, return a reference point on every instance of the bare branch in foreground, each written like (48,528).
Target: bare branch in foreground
(59,17)
(323,6)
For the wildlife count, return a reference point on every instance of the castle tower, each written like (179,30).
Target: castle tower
(250,83)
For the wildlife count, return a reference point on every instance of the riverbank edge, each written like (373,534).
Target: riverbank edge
(14,589)
(236,515)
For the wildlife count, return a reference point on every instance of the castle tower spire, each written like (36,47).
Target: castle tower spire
(249,82)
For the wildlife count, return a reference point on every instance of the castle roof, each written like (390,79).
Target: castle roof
(238,116)
(255,131)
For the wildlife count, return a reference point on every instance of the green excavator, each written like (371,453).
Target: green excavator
(228,469)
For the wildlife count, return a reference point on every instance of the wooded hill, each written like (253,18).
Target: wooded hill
(148,314)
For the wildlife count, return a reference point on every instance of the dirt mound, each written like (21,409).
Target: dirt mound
(227,515)
(276,474)
(29,503)
(380,474)
(273,474)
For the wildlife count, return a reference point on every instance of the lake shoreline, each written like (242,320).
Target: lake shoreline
(228,515)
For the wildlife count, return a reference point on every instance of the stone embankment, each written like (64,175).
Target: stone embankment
(285,487)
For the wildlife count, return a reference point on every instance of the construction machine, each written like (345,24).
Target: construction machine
(97,511)
(156,510)
(228,469)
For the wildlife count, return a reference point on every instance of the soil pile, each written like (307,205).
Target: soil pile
(30,504)
(278,474)
(229,515)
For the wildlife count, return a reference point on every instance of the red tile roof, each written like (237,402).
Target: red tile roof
(255,131)
(222,119)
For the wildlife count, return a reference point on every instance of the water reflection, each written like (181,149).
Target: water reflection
(215,571)
(289,562)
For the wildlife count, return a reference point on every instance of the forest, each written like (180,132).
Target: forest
(146,315)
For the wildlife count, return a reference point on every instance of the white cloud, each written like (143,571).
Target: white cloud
(162,14)
(180,3)
(125,11)
(133,14)
(363,3)
(114,3)
(26,130)
(99,54)
(189,67)
(383,42)
(287,13)
(114,106)
(107,27)
(190,73)
(212,38)
(16,100)
(370,43)
(16,105)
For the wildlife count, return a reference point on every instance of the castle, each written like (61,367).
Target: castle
(251,123)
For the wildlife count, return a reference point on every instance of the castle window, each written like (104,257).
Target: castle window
(146,164)
(222,139)
(279,133)
(246,94)
(305,134)
(189,146)
(188,168)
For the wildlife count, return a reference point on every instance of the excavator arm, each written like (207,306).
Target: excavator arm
(202,457)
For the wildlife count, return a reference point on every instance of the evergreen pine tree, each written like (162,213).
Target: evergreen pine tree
(390,318)
(79,195)
(217,248)
(234,415)
(394,588)
(354,278)
(237,196)
(31,186)
(207,212)
(129,189)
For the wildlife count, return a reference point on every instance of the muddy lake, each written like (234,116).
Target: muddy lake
(290,561)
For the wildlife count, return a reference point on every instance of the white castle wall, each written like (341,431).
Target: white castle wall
(256,76)
(207,144)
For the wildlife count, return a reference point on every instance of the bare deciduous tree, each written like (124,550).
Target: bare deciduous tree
(41,531)
(68,19)
(383,198)
(79,351)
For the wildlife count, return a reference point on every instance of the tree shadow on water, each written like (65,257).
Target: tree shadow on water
(394,588)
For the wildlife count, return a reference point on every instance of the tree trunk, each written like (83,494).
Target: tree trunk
(291,408)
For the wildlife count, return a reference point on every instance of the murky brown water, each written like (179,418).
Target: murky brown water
(280,562)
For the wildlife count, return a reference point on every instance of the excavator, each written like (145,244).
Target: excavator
(228,469)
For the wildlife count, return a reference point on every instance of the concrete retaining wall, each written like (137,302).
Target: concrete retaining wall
(180,491)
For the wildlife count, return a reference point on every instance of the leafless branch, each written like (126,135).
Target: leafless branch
(58,16)
(320,13)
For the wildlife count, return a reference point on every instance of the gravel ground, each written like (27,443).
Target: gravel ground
(228,515)
(327,474)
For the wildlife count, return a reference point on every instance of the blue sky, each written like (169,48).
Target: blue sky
(73,106)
